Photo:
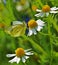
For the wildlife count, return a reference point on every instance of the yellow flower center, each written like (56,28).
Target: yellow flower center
(34,7)
(2,25)
(46,8)
(32,24)
(19,52)
(22,2)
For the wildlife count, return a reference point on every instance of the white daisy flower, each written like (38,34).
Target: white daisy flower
(20,54)
(46,10)
(35,26)
(22,5)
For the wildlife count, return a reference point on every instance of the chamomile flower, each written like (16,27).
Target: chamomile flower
(22,5)
(20,54)
(35,26)
(46,10)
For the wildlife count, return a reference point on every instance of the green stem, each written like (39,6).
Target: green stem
(50,41)
(40,3)
(35,45)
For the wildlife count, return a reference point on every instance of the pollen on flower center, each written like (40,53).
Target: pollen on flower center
(32,24)
(19,52)
(46,8)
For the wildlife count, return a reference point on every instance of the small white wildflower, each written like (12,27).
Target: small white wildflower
(35,26)
(20,53)
(46,10)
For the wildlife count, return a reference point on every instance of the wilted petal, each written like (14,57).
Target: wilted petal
(10,55)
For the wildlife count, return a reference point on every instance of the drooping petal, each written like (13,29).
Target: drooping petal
(40,14)
(18,60)
(10,55)
(30,32)
(27,50)
(15,59)
(54,8)
(34,31)
(38,10)
(23,60)
(47,13)
(40,22)
(54,12)
(29,53)
(26,57)
(39,28)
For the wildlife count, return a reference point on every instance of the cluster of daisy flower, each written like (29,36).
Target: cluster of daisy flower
(36,25)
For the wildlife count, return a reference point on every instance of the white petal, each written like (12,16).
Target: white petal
(29,53)
(40,22)
(34,31)
(18,60)
(27,50)
(53,11)
(10,55)
(38,10)
(15,59)
(40,14)
(54,8)
(17,22)
(47,13)
(23,60)
(26,57)
(19,7)
(39,28)
(30,32)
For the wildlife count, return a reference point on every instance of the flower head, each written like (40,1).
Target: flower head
(34,26)
(46,10)
(20,54)
(34,7)
(2,25)
(22,5)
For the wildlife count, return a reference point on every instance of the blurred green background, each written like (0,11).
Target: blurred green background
(44,44)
